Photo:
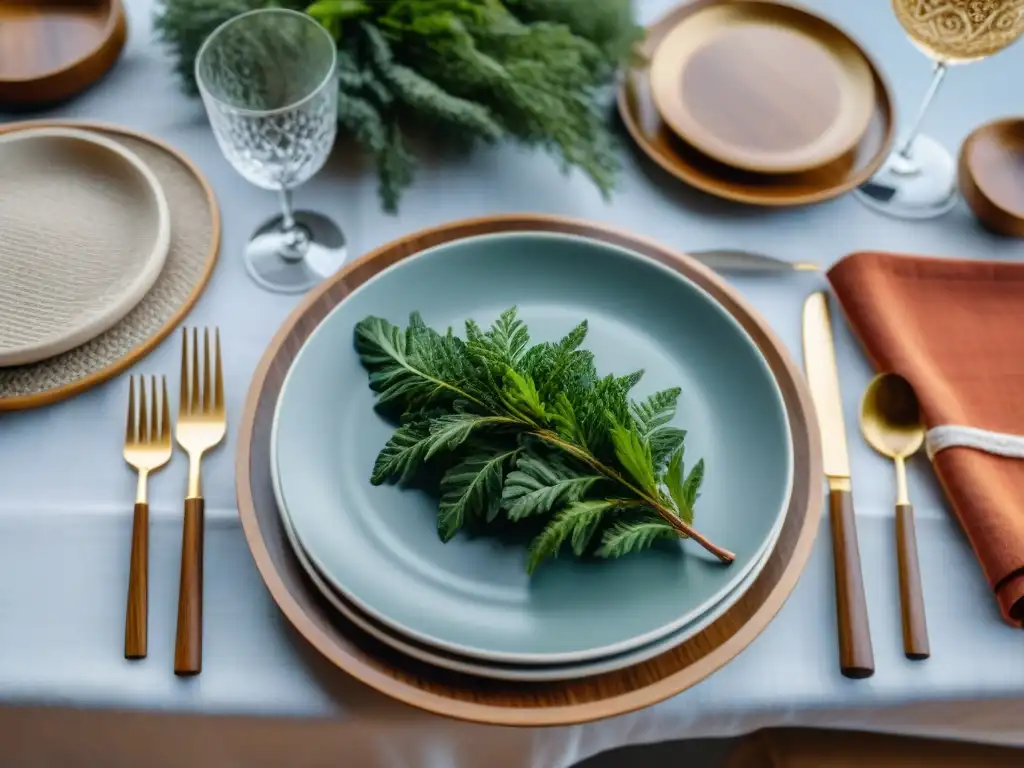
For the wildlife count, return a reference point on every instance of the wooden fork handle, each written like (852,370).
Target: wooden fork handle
(137,613)
(856,657)
(915,629)
(188,645)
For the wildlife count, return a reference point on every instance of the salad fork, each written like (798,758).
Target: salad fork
(147,447)
(201,425)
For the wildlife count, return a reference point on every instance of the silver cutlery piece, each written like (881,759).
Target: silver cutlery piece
(737,260)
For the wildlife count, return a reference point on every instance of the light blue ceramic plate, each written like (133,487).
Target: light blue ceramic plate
(378,546)
(505,671)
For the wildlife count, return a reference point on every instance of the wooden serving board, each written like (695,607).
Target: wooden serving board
(500,702)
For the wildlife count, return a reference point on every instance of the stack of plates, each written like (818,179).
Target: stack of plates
(468,605)
(86,231)
(107,238)
(758,101)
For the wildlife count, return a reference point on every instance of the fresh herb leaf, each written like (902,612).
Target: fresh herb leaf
(691,488)
(627,537)
(635,455)
(472,488)
(403,455)
(577,523)
(674,483)
(539,486)
(450,431)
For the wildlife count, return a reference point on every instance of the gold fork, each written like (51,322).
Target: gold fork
(201,426)
(147,447)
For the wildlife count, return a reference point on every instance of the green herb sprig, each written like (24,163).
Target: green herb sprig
(461,72)
(523,431)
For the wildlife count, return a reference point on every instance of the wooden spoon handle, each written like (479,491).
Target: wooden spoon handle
(137,613)
(915,629)
(856,657)
(188,645)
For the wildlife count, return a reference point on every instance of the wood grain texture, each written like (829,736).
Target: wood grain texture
(61,393)
(491,701)
(188,642)
(915,628)
(660,144)
(991,175)
(52,50)
(137,612)
(856,657)
(764,87)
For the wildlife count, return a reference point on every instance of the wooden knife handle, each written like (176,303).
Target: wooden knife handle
(915,629)
(188,645)
(856,658)
(137,613)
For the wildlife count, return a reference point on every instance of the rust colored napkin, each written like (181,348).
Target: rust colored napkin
(955,330)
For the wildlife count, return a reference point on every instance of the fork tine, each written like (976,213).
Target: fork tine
(129,434)
(218,376)
(195,406)
(143,413)
(165,428)
(183,395)
(207,390)
(154,414)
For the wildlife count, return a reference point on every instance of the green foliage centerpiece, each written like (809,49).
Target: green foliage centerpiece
(520,431)
(463,70)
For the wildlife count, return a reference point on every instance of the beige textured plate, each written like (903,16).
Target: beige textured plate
(86,230)
(763,87)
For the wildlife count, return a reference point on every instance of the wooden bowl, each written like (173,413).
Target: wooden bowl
(992,175)
(52,50)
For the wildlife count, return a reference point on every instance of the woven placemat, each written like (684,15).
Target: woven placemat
(195,241)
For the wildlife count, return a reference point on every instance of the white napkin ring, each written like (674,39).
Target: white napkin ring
(956,436)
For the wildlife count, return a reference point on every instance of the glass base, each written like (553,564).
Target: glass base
(922,187)
(275,262)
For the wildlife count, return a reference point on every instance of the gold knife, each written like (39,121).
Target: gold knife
(856,658)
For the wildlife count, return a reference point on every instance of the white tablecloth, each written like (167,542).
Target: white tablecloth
(65,494)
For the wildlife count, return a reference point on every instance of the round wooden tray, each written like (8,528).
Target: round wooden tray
(499,702)
(659,142)
(52,51)
(195,242)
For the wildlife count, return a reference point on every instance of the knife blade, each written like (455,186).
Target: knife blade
(738,260)
(856,657)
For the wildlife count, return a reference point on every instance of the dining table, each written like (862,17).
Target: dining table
(66,493)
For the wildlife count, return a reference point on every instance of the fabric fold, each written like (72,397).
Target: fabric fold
(955,330)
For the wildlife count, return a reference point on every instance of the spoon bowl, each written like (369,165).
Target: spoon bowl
(890,417)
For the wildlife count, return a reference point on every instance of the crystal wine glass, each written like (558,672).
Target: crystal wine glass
(269,82)
(918,180)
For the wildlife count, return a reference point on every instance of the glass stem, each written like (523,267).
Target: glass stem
(287,210)
(296,238)
(937,77)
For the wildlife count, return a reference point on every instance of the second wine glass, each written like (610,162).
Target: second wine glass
(268,79)
(918,180)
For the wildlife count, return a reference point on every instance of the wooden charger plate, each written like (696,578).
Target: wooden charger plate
(493,701)
(51,50)
(661,144)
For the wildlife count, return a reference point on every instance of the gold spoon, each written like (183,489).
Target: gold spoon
(890,419)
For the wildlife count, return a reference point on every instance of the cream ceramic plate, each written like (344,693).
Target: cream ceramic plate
(85,232)
(764,87)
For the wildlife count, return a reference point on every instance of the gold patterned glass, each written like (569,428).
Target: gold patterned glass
(918,180)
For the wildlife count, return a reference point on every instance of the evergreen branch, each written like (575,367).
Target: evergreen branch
(419,368)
